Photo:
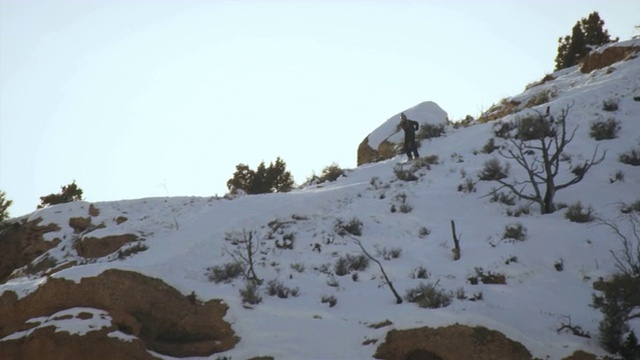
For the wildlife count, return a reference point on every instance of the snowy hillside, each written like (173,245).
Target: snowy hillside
(549,274)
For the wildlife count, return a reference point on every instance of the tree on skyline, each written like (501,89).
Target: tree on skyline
(586,34)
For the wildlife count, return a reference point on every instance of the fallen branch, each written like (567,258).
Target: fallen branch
(386,278)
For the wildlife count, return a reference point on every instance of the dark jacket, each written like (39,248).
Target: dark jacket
(410,127)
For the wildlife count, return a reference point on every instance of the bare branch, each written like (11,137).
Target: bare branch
(537,148)
(384,274)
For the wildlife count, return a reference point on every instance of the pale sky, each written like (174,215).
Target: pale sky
(145,98)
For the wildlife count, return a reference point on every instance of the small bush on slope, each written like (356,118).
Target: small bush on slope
(353,227)
(579,214)
(515,232)
(249,293)
(277,288)
(348,263)
(605,130)
(631,157)
(225,273)
(428,296)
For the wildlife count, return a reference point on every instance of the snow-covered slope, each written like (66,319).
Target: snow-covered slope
(186,236)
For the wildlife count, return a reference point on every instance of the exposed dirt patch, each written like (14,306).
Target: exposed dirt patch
(121,219)
(504,108)
(609,56)
(98,247)
(162,318)
(79,224)
(451,342)
(21,243)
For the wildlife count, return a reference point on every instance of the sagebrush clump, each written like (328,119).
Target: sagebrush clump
(329,173)
(515,232)
(605,130)
(345,264)
(225,272)
(428,131)
(250,293)
(579,213)
(329,299)
(630,157)
(494,170)
(611,104)
(419,273)
(353,227)
(277,288)
(429,296)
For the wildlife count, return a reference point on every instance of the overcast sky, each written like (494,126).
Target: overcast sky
(147,98)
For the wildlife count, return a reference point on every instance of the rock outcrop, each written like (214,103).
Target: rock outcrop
(91,247)
(382,143)
(146,311)
(608,55)
(21,243)
(451,342)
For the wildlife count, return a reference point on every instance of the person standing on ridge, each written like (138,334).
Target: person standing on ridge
(409,127)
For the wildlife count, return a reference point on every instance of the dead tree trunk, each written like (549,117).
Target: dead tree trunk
(456,250)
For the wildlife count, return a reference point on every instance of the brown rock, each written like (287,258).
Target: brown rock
(367,154)
(581,355)
(21,243)
(451,342)
(121,219)
(79,224)
(162,318)
(93,211)
(46,344)
(98,247)
(609,56)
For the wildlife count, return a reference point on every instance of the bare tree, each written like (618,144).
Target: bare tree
(244,253)
(538,148)
(628,259)
(619,300)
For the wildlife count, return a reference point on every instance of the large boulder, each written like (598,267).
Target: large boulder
(609,55)
(450,342)
(139,313)
(382,143)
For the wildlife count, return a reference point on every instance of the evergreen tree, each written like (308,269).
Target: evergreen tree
(594,32)
(585,35)
(260,183)
(274,178)
(69,193)
(4,206)
(241,179)
(278,177)
(563,52)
